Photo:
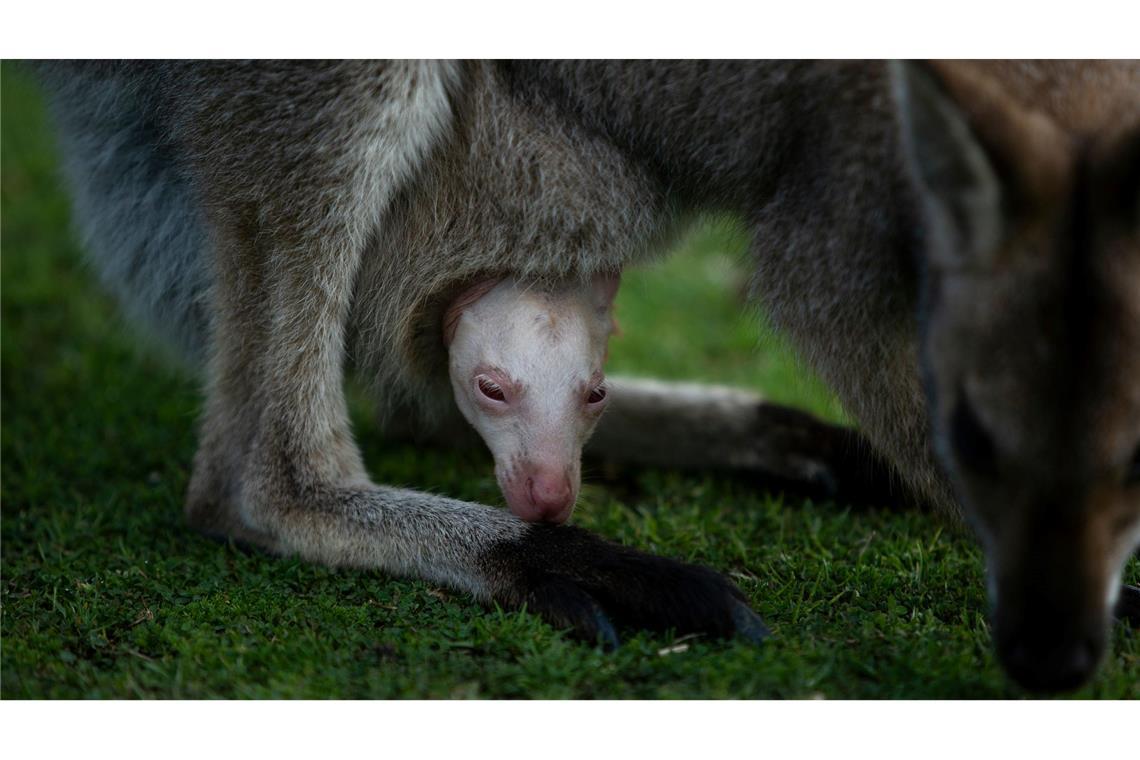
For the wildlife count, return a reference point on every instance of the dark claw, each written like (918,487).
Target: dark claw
(749,625)
(825,481)
(607,634)
(576,580)
(564,604)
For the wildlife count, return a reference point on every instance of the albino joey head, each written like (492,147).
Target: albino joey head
(526,361)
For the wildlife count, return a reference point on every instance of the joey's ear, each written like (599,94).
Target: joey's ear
(604,288)
(980,157)
(461,303)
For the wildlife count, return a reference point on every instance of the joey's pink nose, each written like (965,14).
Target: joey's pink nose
(551,497)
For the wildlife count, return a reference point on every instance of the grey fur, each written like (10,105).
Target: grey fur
(317,202)
(133,207)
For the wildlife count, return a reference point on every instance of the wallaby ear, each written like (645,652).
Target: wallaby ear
(462,302)
(604,288)
(986,158)
(603,291)
(949,161)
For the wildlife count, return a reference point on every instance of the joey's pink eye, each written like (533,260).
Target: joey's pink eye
(491,390)
(597,395)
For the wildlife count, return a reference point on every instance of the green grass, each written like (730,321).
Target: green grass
(106,594)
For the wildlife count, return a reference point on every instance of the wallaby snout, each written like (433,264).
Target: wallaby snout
(544,495)
(1047,652)
(1051,614)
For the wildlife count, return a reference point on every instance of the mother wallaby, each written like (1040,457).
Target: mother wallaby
(969,228)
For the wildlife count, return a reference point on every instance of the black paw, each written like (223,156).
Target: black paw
(823,461)
(576,580)
(1127,607)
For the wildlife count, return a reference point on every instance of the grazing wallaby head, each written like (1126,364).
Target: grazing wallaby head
(1031,341)
(526,367)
